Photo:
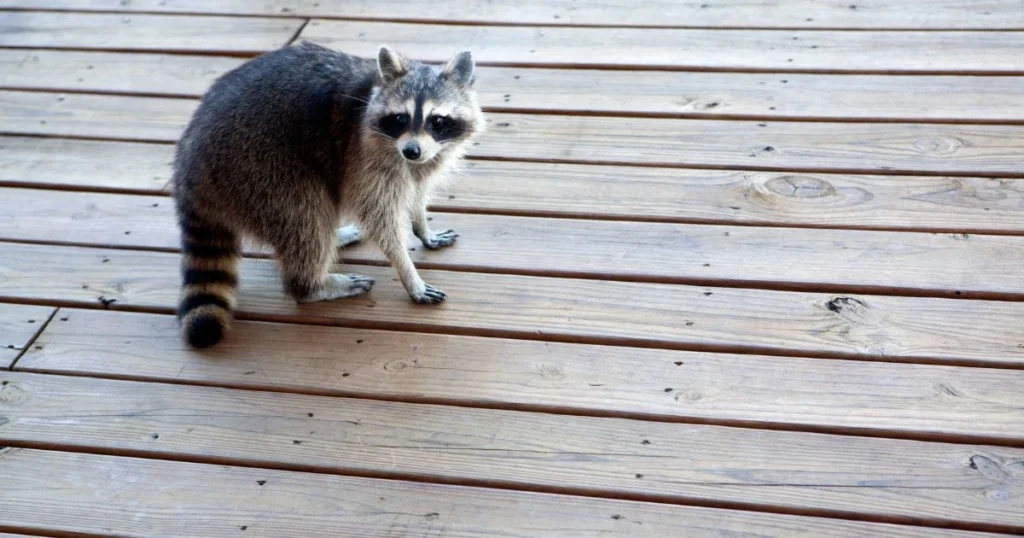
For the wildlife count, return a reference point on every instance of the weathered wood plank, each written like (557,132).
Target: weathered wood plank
(245,35)
(660,315)
(119,117)
(876,14)
(83,164)
(911,481)
(19,324)
(781,258)
(89,493)
(718,95)
(672,195)
(146,73)
(814,146)
(989,150)
(961,52)
(918,401)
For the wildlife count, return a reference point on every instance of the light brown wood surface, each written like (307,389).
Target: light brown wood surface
(951,204)
(84,164)
(19,324)
(693,94)
(920,14)
(602,456)
(724,319)
(245,35)
(989,150)
(916,401)
(961,52)
(949,265)
(127,496)
(752,260)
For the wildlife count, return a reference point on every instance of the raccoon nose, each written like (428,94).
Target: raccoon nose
(411,151)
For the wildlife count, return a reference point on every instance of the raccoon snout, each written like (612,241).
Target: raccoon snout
(411,151)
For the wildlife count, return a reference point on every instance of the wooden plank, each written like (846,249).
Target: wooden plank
(92,493)
(248,35)
(785,146)
(960,52)
(875,14)
(19,324)
(83,164)
(787,471)
(989,150)
(916,401)
(609,192)
(713,95)
(119,117)
(655,315)
(948,265)
(147,73)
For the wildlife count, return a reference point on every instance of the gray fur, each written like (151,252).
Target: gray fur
(285,146)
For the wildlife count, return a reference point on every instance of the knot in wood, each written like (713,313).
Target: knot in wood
(793,186)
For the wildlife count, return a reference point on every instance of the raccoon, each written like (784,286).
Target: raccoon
(289,146)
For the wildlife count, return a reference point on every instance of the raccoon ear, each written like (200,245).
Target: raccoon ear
(460,68)
(390,64)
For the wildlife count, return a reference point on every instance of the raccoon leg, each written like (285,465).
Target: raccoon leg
(349,235)
(209,269)
(305,261)
(421,227)
(385,226)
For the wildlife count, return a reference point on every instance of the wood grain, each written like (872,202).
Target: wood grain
(951,265)
(911,481)
(960,52)
(248,35)
(713,95)
(120,117)
(91,493)
(608,192)
(640,314)
(83,164)
(916,401)
(921,14)
(146,73)
(785,146)
(19,324)
(988,150)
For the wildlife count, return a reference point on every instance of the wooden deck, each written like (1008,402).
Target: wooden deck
(726,269)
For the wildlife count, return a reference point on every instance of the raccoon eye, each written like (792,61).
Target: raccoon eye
(438,123)
(394,124)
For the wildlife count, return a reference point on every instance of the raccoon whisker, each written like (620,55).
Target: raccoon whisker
(381,133)
(355,98)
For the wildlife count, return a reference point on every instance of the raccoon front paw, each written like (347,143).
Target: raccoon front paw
(429,295)
(440,240)
(339,287)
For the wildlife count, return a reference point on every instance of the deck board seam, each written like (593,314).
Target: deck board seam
(1004,174)
(751,284)
(506,485)
(572,66)
(532,335)
(565,410)
(32,340)
(484,22)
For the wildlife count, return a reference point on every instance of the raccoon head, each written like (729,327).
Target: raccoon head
(423,110)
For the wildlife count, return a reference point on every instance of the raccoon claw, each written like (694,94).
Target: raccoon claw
(441,240)
(340,287)
(361,282)
(430,295)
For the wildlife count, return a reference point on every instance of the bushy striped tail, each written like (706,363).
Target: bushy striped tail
(209,267)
